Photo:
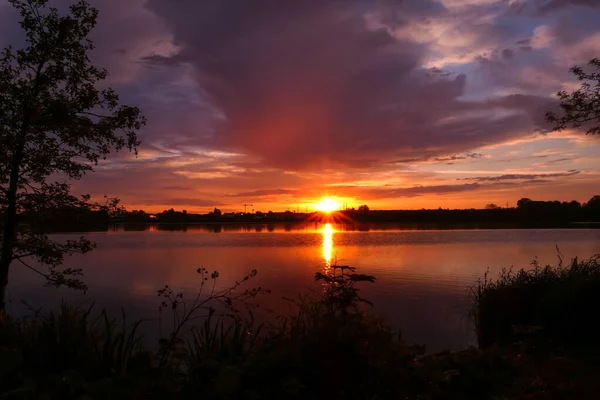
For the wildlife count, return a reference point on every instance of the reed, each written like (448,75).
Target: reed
(556,302)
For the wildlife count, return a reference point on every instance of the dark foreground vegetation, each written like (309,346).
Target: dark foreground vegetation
(557,302)
(536,329)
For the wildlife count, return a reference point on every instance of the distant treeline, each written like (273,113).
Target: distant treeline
(528,213)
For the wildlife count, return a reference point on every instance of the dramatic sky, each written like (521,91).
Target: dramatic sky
(396,104)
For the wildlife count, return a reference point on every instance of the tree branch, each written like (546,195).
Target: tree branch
(18,257)
(34,269)
(94,114)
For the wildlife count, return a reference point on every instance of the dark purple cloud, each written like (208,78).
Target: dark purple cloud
(310,84)
(554,5)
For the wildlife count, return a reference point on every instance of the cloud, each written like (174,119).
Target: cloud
(266,99)
(295,100)
(459,157)
(368,193)
(512,177)
(424,190)
(265,192)
(177,201)
(554,5)
(558,160)
(454,157)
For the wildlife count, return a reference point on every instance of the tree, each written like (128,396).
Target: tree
(581,108)
(217,212)
(524,203)
(55,125)
(492,206)
(594,203)
(363,208)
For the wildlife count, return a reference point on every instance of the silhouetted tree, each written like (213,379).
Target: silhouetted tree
(363,208)
(217,212)
(492,206)
(524,202)
(580,108)
(53,122)
(594,203)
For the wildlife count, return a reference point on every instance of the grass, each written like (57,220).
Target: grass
(328,346)
(62,352)
(558,303)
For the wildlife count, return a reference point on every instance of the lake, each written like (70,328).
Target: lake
(422,276)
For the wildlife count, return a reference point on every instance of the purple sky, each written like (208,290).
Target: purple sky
(397,104)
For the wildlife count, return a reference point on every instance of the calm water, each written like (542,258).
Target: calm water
(422,276)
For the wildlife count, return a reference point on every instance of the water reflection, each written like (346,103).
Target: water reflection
(421,275)
(327,245)
(260,227)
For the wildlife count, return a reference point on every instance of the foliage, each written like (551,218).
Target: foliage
(553,302)
(324,347)
(54,124)
(204,306)
(492,206)
(580,108)
(341,294)
(329,346)
(66,349)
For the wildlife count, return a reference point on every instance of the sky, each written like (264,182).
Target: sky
(398,104)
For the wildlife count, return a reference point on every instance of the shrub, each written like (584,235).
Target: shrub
(556,302)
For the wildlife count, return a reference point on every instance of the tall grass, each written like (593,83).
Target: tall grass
(327,346)
(67,347)
(558,302)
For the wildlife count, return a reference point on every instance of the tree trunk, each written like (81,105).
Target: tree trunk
(6,254)
(10,217)
(9,228)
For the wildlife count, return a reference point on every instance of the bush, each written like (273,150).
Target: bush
(557,303)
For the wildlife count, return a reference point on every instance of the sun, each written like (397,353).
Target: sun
(328,205)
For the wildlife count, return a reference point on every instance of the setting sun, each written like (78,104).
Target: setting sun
(328,205)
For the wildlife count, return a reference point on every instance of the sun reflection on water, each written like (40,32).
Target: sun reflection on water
(327,245)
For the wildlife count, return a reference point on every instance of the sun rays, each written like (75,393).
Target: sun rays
(328,205)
